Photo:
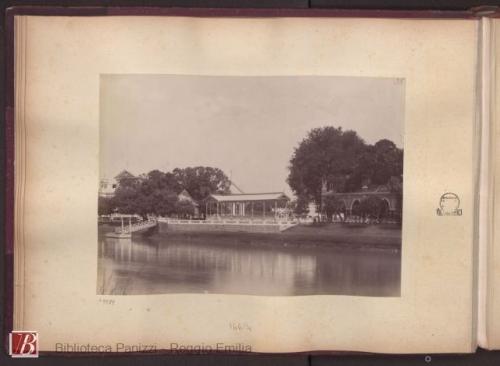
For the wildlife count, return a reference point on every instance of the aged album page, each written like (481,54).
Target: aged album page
(94,87)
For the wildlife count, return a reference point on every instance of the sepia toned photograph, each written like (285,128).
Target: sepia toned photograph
(250,185)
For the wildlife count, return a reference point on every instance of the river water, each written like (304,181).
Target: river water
(163,264)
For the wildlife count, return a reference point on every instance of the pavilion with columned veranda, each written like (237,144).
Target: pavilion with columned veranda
(248,205)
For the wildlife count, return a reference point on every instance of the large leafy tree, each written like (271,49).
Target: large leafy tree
(157,192)
(342,159)
(377,164)
(202,181)
(127,200)
(152,193)
(325,153)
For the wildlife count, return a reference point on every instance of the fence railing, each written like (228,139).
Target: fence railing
(228,222)
(131,228)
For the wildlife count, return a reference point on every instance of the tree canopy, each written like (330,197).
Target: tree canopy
(342,159)
(376,164)
(324,152)
(158,192)
(202,181)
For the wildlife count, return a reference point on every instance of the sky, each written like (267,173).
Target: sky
(246,126)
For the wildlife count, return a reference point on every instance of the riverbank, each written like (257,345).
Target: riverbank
(245,265)
(338,235)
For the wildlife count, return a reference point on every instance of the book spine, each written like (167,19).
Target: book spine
(485,217)
(9,179)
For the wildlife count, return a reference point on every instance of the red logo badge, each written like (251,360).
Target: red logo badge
(23,344)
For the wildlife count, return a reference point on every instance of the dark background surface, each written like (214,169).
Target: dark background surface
(482,357)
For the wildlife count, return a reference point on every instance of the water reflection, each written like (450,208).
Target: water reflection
(160,265)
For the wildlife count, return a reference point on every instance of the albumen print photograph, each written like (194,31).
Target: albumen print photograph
(250,185)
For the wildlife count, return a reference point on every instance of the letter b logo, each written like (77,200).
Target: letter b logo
(23,344)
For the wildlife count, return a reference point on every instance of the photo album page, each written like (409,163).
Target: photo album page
(246,184)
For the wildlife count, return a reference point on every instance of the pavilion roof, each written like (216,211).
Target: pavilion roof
(249,197)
